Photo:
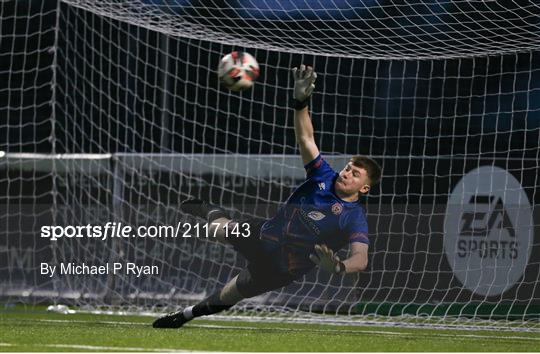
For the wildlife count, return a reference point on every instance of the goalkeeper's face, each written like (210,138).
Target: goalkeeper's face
(352,180)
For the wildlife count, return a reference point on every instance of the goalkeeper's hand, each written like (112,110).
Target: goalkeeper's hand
(304,82)
(327,260)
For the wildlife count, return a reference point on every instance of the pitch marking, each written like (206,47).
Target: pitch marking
(100,347)
(388,333)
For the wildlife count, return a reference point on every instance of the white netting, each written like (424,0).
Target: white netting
(438,93)
(369,29)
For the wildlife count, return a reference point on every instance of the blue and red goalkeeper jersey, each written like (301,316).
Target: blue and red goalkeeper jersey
(313,214)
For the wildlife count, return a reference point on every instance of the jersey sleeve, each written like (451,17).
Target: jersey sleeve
(358,230)
(318,167)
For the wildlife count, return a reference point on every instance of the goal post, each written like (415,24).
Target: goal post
(444,96)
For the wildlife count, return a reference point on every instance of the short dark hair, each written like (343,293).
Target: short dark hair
(371,166)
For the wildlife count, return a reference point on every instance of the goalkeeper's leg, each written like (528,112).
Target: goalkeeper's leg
(253,281)
(219,301)
(216,216)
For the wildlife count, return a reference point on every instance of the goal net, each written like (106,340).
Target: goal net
(115,115)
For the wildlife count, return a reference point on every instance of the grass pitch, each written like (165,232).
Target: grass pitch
(36,330)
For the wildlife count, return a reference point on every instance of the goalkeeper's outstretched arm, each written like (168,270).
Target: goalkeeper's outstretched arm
(304,79)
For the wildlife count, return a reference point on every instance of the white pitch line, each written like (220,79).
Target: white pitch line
(368,331)
(330,330)
(103,347)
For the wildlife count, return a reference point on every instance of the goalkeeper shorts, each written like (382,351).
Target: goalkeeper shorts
(262,273)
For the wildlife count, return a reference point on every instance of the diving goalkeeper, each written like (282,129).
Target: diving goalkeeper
(320,217)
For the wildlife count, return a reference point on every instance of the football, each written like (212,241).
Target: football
(238,71)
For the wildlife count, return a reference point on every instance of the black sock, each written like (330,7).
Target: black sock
(210,305)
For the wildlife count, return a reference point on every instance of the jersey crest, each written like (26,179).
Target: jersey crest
(337,208)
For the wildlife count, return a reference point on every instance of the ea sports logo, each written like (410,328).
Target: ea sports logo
(488,230)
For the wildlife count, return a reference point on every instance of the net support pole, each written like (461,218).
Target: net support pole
(118,176)
(52,137)
(165,117)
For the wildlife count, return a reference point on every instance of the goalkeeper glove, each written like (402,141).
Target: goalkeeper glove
(304,84)
(327,260)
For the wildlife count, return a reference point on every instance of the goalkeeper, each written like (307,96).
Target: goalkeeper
(320,217)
